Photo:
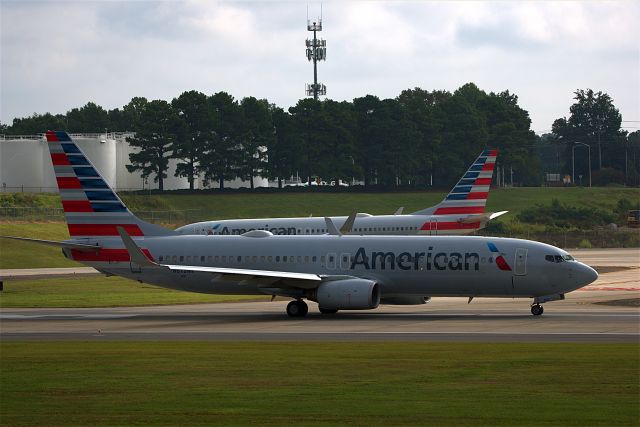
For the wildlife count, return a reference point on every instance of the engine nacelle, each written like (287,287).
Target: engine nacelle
(405,300)
(348,294)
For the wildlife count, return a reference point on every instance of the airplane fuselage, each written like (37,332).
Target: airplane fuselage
(402,265)
(364,224)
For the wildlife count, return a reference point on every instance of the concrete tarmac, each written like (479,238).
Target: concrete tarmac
(606,311)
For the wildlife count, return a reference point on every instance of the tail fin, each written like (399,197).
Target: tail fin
(469,196)
(91,207)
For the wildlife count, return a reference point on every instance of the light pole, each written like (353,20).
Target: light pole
(573,161)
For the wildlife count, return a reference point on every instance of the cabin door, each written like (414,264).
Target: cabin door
(521,262)
(433,226)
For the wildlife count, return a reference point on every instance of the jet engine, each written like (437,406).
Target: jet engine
(348,294)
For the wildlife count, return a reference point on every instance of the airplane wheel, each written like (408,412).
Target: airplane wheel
(537,310)
(297,308)
(328,310)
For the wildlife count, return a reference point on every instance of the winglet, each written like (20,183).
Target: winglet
(399,211)
(497,214)
(135,253)
(348,224)
(331,228)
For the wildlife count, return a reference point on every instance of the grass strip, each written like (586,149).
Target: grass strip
(318,383)
(100,292)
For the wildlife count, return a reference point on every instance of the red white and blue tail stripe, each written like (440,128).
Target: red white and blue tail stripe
(91,207)
(466,201)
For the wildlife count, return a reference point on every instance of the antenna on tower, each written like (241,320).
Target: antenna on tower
(316,51)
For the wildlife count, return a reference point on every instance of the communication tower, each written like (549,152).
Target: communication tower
(316,51)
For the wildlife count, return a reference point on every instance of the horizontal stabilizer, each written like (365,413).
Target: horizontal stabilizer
(67,245)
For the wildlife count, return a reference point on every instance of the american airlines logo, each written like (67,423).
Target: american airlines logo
(500,261)
(416,260)
(275,230)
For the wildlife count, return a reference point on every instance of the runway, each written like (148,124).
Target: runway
(606,311)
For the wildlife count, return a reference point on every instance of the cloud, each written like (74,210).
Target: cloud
(57,55)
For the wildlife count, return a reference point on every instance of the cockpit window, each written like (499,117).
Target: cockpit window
(568,257)
(557,258)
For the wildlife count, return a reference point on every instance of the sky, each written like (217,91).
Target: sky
(57,55)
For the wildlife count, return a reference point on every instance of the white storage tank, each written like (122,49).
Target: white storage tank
(21,165)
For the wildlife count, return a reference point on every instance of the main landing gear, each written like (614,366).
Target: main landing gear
(537,310)
(297,308)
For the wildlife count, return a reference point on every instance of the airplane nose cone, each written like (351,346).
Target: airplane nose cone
(585,275)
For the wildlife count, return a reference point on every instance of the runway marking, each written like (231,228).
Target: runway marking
(64,316)
(609,289)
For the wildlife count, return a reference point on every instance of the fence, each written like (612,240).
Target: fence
(601,238)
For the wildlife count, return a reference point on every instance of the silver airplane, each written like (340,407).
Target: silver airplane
(338,272)
(461,212)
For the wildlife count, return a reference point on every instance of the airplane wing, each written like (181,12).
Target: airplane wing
(331,228)
(301,280)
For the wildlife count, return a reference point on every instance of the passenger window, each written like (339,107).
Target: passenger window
(322,259)
(188,258)
(209,258)
(202,258)
(160,258)
(313,259)
(239,258)
(277,258)
(284,258)
(224,258)
(174,258)
(181,258)
(255,259)
(306,258)
(299,259)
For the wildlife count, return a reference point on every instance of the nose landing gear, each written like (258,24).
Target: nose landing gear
(537,310)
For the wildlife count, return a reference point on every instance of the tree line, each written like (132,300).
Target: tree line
(417,139)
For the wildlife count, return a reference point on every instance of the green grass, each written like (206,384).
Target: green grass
(15,254)
(100,291)
(260,205)
(318,383)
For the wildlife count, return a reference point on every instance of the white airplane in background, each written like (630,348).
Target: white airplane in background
(338,272)
(461,212)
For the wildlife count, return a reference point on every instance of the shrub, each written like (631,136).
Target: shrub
(585,244)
